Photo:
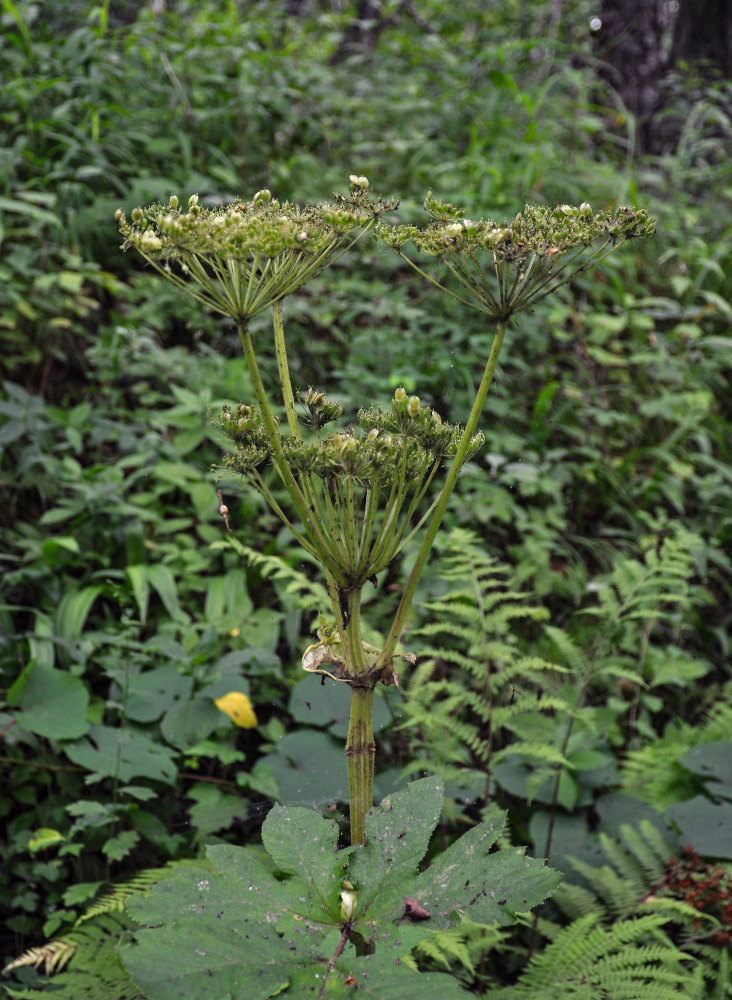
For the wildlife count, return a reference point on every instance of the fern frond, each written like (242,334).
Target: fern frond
(52,956)
(630,960)
(308,594)
(114,901)
(445,948)
(84,962)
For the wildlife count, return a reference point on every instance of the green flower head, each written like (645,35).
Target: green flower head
(240,258)
(504,268)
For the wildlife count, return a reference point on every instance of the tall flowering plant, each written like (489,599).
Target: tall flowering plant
(357,495)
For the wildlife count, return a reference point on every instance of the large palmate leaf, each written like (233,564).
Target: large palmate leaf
(247,929)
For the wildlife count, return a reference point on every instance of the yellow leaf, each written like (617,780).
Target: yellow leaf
(239,708)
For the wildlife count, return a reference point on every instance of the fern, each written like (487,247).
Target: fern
(654,773)
(83,962)
(96,972)
(629,960)
(306,593)
(464,951)
(634,882)
(469,716)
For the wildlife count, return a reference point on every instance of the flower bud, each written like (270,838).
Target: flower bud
(173,201)
(356,181)
(372,434)
(118,215)
(400,395)
(193,201)
(137,215)
(565,209)
(264,196)
(348,901)
(454,229)
(413,407)
(149,241)
(585,209)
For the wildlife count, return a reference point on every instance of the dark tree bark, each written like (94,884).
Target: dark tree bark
(640,43)
(630,45)
(703,32)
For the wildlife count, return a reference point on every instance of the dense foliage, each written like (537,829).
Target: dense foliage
(573,629)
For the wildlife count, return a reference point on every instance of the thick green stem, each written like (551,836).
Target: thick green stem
(360,754)
(443,499)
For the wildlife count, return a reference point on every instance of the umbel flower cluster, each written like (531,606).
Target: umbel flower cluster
(238,259)
(375,477)
(509,267)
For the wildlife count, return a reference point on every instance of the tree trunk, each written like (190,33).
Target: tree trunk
(703,32)
(630,45)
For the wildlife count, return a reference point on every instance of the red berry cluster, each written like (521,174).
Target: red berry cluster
(706,887)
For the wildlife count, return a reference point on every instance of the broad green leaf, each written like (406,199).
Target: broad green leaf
(398,832)
(705,825)
(189,722)
(302,843)
(217,933)
(488,888)
(161,580)
(43,839)
(52,702)
(375,979)
(242,931)
(120,846)
(466,880)
(297,767)
(330,705)
(712,761)
(122,752)
(155,692)
(214,810)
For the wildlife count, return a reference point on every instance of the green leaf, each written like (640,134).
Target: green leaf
(301,842)
(161,580)
(189,722)
(705,825)
(53,703)
(155,692)
(44,838)
(297,767)
(329,705)
(712,761)
(73,611)
(214,810)
(217,933)
(398,831)
(466,880)
(247,931)
(137,575)
(120,846)
(124,753)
